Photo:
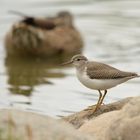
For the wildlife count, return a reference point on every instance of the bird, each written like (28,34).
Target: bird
(98,76)
(42,23)
(63,18)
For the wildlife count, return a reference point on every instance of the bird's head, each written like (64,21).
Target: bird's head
(77,60)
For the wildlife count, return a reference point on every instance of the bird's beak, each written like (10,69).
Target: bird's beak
(66,63)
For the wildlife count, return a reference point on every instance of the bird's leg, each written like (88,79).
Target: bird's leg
(98,103)
(105,92)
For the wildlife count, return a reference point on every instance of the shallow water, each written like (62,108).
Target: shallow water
(111,32)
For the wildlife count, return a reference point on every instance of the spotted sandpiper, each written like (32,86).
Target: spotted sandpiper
(99,76)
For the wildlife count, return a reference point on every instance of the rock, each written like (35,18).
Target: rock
(78,119)
(20,125)
(126,124)
(116,121)
(116,125)
(99,125)
(44,37)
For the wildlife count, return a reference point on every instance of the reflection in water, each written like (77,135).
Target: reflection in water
(24,73)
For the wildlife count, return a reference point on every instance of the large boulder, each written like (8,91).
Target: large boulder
(80,118)
(116,125)
(21,125)
(116,121)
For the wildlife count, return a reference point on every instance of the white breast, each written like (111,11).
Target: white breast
(99,84)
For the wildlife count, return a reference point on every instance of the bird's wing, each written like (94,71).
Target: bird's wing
(97,70)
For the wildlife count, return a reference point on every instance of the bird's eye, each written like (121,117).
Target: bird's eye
(78,59)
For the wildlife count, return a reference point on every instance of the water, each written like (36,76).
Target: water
(111,32)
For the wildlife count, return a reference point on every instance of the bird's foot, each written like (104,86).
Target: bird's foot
(93,106)
(90,107)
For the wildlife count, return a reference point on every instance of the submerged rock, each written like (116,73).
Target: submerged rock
(21,125)
(44,36)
